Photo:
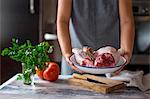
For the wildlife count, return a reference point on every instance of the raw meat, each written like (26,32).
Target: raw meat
(82,58)
(104,59)
(114,53)
(105,56)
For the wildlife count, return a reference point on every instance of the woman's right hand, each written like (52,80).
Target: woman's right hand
(70,63)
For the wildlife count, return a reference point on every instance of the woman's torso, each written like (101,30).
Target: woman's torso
(95,23)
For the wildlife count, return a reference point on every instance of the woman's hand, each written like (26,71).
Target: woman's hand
(126,55)
(70,63)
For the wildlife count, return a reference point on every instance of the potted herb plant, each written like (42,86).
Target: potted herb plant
(29,56)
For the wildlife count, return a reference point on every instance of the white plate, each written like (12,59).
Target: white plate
(99,70)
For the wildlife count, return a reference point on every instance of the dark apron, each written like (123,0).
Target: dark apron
(94,23)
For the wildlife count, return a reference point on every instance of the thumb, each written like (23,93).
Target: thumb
(69,61)
(121,51)
(72,65)
(127,58)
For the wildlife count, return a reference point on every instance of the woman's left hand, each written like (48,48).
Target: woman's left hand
(126,55)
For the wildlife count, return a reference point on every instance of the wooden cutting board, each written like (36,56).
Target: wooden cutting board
(96,83)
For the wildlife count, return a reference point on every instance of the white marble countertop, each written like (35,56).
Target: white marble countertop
(14,89)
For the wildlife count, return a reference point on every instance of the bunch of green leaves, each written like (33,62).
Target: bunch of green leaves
(28,54)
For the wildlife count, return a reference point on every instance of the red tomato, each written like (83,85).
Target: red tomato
(52,71)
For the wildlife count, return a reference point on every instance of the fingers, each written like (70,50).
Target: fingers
(121,51)
(77,69)
(124,54)
(122,67)
(127,58)
(69,61)
(118,71)
(72,65)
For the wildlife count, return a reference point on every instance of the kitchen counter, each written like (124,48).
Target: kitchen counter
(15,89)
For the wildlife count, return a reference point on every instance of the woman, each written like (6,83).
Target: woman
(94,23)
